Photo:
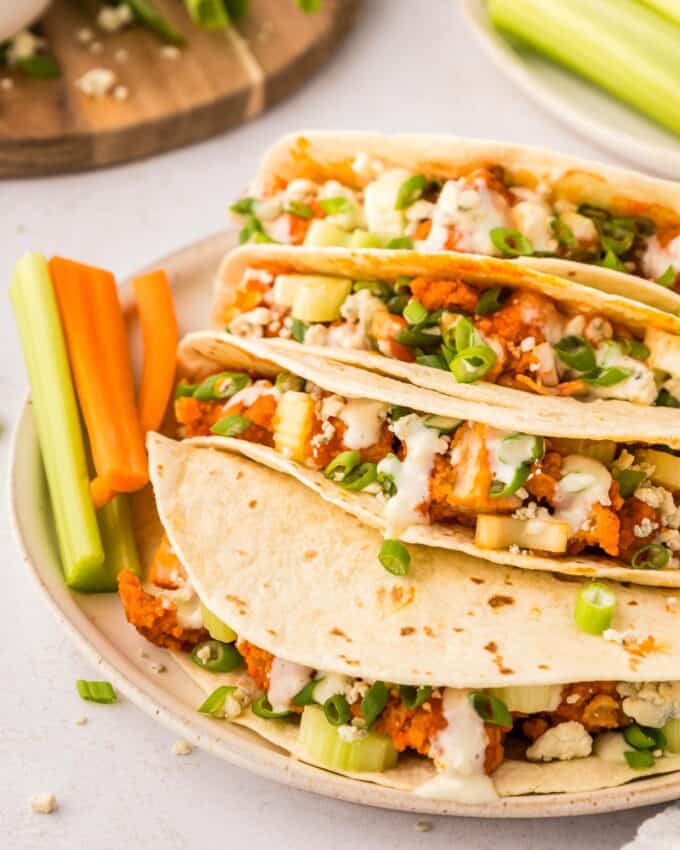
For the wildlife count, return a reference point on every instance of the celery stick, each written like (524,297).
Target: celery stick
(58,424)
(148,15)
(115,526)
(618,44)
(669,8)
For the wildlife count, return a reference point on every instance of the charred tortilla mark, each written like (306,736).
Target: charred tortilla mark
(336,632)
(310,554)
(632,602)
(428,631)
(499,600)
(239,475)
(477,580)
(350,661)
(272,632)
(458,629)
(406,630)
(491,646)
(252,503)
(544,667)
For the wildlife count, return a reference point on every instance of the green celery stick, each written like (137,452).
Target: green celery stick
(115,526)
(669,8)
(618,44)
(148,15)
(208,14)
(58,425)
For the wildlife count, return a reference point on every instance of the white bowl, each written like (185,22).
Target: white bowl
(16,15)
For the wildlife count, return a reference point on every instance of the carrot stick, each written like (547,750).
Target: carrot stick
(97,344)
(100,491)
(159,331)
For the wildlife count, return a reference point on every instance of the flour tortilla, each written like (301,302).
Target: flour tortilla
(300,579)
(479,271)
(200,349)
(324,156)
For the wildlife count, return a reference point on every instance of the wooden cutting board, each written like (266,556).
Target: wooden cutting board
(218,81)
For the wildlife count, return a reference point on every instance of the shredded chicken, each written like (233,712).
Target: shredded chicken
(258,663)
(440,294)
(596,705)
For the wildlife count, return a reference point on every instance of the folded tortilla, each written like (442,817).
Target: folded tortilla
(322,156)
(661,329)
(289,573)
(205,352)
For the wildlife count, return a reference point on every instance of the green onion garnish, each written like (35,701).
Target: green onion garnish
(221,386)
(101,692)
(262,708)
(409,191)
(443,424)
(340,467)
(606,377)
(185,390)
(576,353)
(414,312)
(499,489)
(300,209)
(490,300)
(208,14)
(217,657)
(336,709)
(668,278)
(214,704)
(434,361)
(309,6)
(563,233)
(464,335)
(252,227)
(360,477)
(640,759)
(404,243)
(395,557)
(147,13)
(397,411)
(298,329)
(472,363)
(511,242)
(611,261)
(640,737)
(231,426)
(628,480)
(287,382)
(333,206)
(616,238)
(402,285)
(376,287)
(244,206)
(665,399)
(634,348)
(306,695)
(413,697)
(374,702)
(40,66)
(387,483)
(491,709)
(654,556)
(396,304)
(417,336)
(594,611)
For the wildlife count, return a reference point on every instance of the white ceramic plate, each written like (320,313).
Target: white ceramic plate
(583,107)
(15,15)
(98,627)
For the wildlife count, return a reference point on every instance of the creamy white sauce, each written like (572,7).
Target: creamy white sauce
(585,482)
(533,221)
(353,216)
(458,751)
(286,679)
(412,476)
(504,458)
(639,388)
(656,259)
(186,602)
(364,420)
(331,684)
(249,395)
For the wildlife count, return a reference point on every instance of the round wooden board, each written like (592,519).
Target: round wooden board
(218,81)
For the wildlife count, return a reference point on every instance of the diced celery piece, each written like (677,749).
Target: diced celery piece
(529,699)
(293,424)
(324,234)
(500,532)
(286,287)
(321,741)
(319,298)
(217,628)
(666,467)
(602,450)
(364,239)
(672,732)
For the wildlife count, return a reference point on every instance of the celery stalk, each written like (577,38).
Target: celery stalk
(668,8)
(120,547)
(618,44)
(58,425)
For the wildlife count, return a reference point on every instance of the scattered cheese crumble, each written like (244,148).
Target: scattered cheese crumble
(44,803)
(114,18)
(97,82)
(181,748)
(562,742)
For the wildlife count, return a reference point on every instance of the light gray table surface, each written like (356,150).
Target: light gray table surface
(407,67)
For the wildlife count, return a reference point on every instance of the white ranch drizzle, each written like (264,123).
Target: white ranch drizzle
(286,679)
(364,419)
(585,482)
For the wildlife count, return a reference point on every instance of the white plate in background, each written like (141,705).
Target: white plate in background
(16,15)
(588,110)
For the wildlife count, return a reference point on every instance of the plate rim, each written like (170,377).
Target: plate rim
(248,751)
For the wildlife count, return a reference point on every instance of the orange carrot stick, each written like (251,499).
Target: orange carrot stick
(159,331)
(97,345)
(100,491)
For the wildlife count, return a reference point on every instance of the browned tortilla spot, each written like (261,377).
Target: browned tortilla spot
(499,600)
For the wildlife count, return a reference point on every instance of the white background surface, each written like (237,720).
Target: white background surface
(407,66)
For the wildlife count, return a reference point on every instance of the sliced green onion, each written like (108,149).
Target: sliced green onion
(148,15)
(418,337)
(511,242)
(376,287)
(576,353)
(333,206)
(309,6)
(443,424)
(402,285)
(40,66)
(214,704)
(665,399)
(617,239)
(262,708)
(300,209)
(409,191)
(628,480)
(434,361)
(491,709)
(221,386)
(287,382)
(396,304)
(387,483)
(518,448)
(594,611)
(336,709)
(639,224)
(639,738)
(654,556)
(414,312)
(634,348)
(606,377)
(404,243)
(252,227)
(208,14)
(611,261)
(216,627)
(340,467)
(490,300)
(500,489)
(472,363)
(395,557)
(360,477)
(668,278)
(244,206)
(101,692)
(374,702)
(563,233)
(298,330)
(464,335)
(397,411)
(639,759)
(231,426)
(185,390)
(217,657)
(306,695)
(413,697)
